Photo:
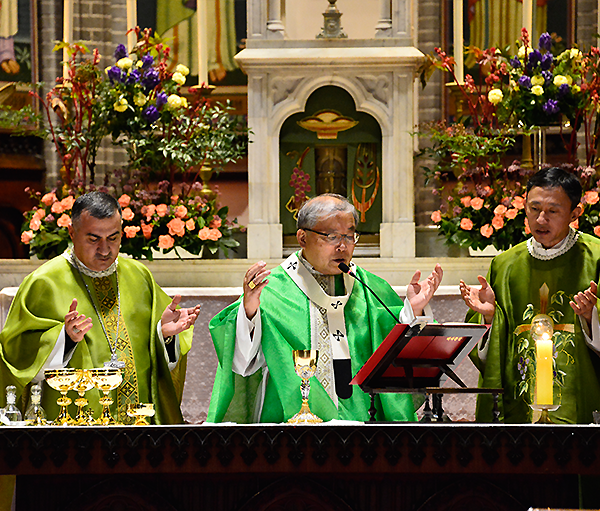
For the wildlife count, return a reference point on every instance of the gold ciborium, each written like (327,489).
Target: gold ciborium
(140,411)
(85,383)
(62,380)
(305,364)
(106,379)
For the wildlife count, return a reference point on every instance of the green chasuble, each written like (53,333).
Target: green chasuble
(36,318)
(286,326)
(525,286)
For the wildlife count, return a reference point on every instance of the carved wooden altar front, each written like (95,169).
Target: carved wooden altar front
(420,467)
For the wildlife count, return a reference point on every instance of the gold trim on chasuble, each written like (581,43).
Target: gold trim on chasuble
(127,393)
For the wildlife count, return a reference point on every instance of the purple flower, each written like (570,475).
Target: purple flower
(545,42)
(120,52)
(116,74)
(161,99)
(147,61)
(134,76)
(525,82)
(548,77)
(150,79)
(546,61)
(534,59)
(551,107)
(515,62)
(151,114)
(563,90)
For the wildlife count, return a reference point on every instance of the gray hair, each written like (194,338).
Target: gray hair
(97,204)
(317,209)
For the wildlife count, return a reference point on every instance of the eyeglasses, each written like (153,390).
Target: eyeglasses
(334,239)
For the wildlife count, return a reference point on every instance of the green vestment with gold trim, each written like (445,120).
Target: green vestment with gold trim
(517,279)
(36,318)
(285,319)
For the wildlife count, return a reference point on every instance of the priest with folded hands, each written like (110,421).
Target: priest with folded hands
(306,303)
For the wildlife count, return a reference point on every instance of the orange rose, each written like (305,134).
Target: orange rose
(486,230)
(497,222)
(436,216)
(596,232)
(511,213)
(214,234)
(174,199)
(477,203)
(64,220)
(165,241)
(131,231)
(128,214)
(190,225)
(215,223)
(147,230)
(39,213)
(203,233)
(575,223)
(26,237)
(466,224)
(49,198)
(57,208)
(161,210)
(181,212)
(466,201)
(176,227)
(527,229)
(124,200)
(518,202)
(148,211)
(500,209)
(67,202)
(591,197)
(35,223)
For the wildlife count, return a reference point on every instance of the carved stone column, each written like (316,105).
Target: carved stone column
(384,26)
(275,26)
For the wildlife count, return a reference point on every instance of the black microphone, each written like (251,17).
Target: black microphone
(346,269)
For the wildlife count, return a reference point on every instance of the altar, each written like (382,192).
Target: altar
(341,467)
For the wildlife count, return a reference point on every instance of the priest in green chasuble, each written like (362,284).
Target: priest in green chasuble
(553,273)
(308,303)
(87,308)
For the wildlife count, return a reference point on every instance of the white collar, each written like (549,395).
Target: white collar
(70,256)
(538,251)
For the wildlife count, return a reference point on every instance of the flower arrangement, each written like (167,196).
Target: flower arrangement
(170,137)
(152,221)
(480,183)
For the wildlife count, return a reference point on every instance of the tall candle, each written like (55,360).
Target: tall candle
(202,42)
(528,17)
(458,41)
(67,31)
(544,378)
(131,23)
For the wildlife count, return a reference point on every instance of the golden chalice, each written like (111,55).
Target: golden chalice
(85,383)
(62,380)
(305,364)
(140,411)
(106,379)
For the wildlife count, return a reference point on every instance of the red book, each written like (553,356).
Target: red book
(419,356)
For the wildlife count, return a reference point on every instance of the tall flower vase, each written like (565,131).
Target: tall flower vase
(207,193)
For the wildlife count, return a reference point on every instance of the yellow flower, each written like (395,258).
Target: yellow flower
(560,80)
(124,63)
(184,102)
(174,101)
(121,105)
(178,78)
(537,80)
(495,96)
(106,69)
(140,99)
(575,53)
(569,80)
(538,90)
(576,88)
(521,52)
(182,69)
